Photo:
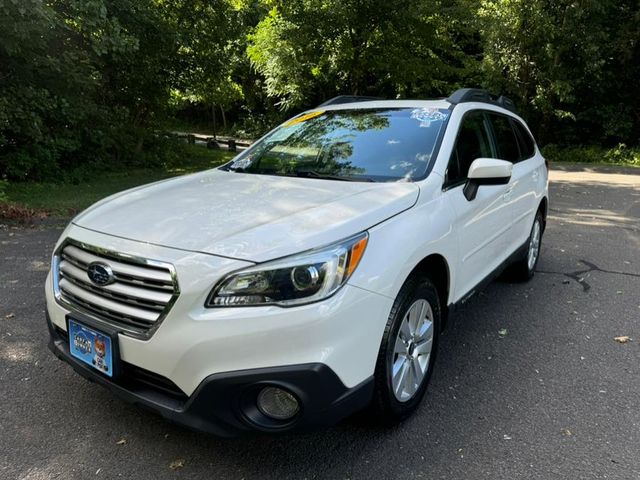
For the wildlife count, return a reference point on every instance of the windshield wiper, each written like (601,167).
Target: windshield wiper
(305,174)
(314,174)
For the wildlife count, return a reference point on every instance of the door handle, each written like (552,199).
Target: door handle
(507,195)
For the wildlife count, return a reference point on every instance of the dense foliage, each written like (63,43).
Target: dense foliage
(89,85)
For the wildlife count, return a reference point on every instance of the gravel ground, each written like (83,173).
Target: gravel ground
(529,383)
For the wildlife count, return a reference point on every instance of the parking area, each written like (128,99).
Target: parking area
(530,381)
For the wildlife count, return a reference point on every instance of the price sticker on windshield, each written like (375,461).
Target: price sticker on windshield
(426,116)
(303,118)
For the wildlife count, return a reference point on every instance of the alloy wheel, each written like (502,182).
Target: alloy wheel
(412,350)
(534,244)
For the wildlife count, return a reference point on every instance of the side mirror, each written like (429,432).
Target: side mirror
(486,171)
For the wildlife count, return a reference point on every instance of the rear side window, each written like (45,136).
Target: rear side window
(527,145)
(505,138)
(472,142)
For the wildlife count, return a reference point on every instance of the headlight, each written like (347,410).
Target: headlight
(303,278)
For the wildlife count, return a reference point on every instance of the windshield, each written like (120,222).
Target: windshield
(391,144)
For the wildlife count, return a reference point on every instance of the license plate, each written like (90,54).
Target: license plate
(92,347)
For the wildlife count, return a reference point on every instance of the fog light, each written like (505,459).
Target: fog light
(277,403)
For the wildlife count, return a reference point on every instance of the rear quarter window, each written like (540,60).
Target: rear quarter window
(505,135)
(525,140)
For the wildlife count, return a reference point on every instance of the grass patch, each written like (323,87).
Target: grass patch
(31,200)
(65,199)
(620,155)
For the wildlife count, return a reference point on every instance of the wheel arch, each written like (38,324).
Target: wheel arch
(436,268)
(543,207)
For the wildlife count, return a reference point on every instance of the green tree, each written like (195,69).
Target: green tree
(568,64)
(81,83)
(86,84)
(309,50)
(45,89)
(208,32)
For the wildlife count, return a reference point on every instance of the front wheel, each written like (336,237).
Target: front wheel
(408,349)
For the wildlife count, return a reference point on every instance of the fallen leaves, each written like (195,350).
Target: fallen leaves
(19,213)
(11,315)
(566,432)
(622,339)
(122,441)
(502,332)
(176,464)
(38,266)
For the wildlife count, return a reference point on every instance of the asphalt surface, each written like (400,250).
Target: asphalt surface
(529,382)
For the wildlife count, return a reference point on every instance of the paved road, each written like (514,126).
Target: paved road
(556,397)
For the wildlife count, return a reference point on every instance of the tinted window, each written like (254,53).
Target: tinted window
(472,142)
(505,138)
(527,145)
(391,144)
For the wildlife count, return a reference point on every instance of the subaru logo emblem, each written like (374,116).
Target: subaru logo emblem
(100,274)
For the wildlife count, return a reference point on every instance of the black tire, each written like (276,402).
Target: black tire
(521,270)
(386,405)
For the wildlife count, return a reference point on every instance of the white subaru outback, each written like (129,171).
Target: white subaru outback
(308,278)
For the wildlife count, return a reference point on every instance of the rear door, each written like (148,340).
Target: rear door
(531,167)
(483,222)
(521,193)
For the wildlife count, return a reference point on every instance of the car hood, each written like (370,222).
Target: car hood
(244,216)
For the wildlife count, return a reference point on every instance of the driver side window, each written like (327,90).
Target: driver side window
(472,142)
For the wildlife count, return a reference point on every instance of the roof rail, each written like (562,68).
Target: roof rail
(340,99)
(507,103)
(464,95)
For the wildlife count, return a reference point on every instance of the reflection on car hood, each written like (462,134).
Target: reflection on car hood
(244,216)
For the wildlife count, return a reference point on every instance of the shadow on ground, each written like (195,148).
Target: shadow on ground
(529,382)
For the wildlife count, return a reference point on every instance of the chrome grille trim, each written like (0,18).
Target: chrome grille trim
(136,302)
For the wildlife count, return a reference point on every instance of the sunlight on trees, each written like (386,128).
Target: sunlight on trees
(89,84)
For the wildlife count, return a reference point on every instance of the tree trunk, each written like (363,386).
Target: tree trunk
(224,119)
(213,117)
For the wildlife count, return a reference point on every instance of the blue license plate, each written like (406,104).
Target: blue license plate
(91,347)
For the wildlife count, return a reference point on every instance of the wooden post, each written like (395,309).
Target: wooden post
(232,145)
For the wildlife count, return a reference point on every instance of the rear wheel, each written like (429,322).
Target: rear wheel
(408,349)
(523,269)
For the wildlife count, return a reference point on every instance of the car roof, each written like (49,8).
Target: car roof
(461,96)
(439,103)
(370,104)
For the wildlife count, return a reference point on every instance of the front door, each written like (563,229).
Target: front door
(483,223)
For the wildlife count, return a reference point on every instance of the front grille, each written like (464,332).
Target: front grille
(140,295)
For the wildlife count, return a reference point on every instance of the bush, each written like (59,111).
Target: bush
(619,155)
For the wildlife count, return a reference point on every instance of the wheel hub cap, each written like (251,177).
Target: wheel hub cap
(534,245)
(412,350)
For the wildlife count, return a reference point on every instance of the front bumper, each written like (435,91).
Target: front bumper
(201,365)
(224,403)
